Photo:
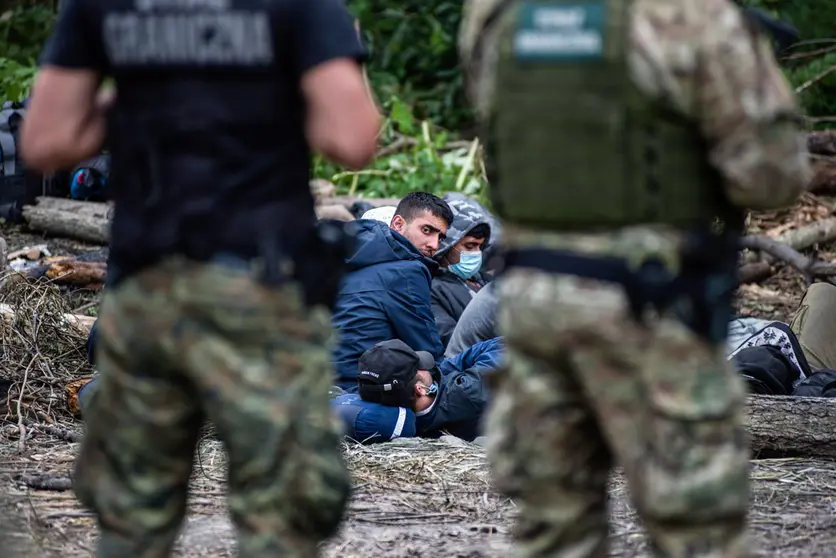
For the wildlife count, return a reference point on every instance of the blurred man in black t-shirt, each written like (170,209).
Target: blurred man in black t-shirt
(213,310)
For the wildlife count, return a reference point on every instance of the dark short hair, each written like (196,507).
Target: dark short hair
(415,203)
(482,230)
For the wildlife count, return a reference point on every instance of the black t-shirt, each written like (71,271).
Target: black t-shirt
(214,86)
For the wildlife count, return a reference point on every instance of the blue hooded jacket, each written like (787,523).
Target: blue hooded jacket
(384,295)
(463,394)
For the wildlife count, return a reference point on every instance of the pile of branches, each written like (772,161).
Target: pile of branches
(43,350)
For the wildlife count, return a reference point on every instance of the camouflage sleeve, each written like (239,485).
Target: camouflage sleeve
(477,53)
(716,67)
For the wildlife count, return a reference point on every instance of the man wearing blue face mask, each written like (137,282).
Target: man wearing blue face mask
(460,261)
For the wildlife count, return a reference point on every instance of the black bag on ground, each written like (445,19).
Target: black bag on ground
(820,384)
(18,185)
(766,369)
(771,360)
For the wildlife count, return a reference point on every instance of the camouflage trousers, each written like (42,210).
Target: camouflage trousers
(587,389)
(182,343)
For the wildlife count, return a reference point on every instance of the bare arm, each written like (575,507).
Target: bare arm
(342,117)
(65,120)
(342,120)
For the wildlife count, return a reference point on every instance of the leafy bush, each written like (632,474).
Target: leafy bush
(416,75)
(811,65)
(23,32)
(412,44)
(417,156)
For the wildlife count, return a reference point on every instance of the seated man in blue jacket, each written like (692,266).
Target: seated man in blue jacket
(448,398)
(385,293)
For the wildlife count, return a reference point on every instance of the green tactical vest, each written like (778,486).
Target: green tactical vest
(572,144)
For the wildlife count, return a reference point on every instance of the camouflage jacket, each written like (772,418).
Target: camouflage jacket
(714,66)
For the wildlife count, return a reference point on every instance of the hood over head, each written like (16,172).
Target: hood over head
(467,215)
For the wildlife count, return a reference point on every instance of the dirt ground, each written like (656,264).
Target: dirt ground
(412,498)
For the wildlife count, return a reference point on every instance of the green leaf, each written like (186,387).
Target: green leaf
(403,116)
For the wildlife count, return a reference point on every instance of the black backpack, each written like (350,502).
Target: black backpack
(18,185)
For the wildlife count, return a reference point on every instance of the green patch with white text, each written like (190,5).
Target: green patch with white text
(560,31)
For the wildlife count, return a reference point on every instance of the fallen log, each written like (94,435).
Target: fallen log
(822,142)
(100,210)
(88,228)
(824,175)
(795,426)
(348,201)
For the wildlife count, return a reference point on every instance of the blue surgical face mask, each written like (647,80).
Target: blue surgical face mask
(432,389)
(469,264)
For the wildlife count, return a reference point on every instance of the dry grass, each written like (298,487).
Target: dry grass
(411,498)
(40,355)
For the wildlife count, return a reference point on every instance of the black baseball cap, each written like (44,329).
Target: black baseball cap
(387,372)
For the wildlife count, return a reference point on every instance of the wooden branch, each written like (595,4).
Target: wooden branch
(808,235)
(754,272)
(809,267)
(70,272)
(800,426)
(82,323)
(803,237)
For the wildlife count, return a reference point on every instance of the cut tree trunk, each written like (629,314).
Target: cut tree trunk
(822,142)
(91,209)
(88,228)
(798,426)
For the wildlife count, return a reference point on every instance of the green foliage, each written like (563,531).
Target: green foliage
(23,32)
(415,72)
(427,158)
(806,64)
(412,44)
